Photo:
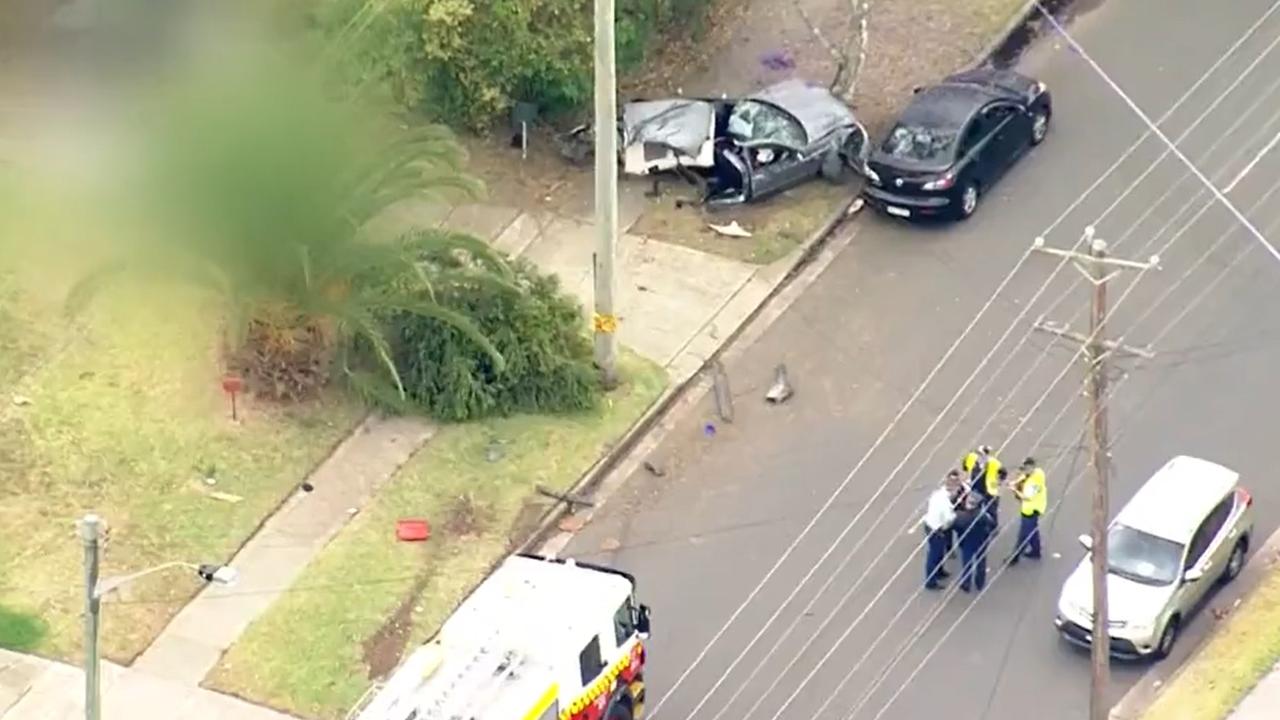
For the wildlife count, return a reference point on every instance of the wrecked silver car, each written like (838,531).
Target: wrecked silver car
(743,150)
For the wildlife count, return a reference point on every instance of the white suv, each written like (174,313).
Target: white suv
(1187,527)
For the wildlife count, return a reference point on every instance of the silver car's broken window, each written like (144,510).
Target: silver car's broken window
(756,122)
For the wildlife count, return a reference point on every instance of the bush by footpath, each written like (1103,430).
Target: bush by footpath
(536,329)
(465,62)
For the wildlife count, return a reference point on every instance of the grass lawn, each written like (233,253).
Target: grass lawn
(777,225)
(121,413)
(1238,655)
(367,597)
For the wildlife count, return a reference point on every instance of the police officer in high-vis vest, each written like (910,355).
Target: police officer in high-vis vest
(1031,491)
(985,473)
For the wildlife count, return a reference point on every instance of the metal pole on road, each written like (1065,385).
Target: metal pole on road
(604,320)
(1099,269)
(90,535)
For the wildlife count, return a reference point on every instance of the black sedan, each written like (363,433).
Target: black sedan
(954,141)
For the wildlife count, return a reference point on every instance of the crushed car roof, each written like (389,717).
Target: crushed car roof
(680,124)
(818,111)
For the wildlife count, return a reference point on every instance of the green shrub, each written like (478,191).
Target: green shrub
(466,62)
(538,331)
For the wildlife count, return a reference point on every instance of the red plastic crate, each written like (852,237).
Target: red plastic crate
(412,530)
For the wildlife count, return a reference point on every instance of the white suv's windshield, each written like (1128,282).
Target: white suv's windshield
(1137,556)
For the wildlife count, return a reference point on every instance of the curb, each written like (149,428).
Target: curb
(1017,20)
(1141,696)
(1020,32)
(594,477)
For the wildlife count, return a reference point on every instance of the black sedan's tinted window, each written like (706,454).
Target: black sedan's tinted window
(920,143)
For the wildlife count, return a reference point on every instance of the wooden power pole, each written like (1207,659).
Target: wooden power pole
(1099,268)
(604,319)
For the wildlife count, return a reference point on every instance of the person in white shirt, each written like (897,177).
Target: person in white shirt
(939,515)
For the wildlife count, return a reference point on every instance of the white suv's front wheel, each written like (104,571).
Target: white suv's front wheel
(1168,637)
(1235,563)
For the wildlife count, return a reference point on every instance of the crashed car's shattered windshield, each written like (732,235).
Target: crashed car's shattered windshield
(920,143)
(754,121)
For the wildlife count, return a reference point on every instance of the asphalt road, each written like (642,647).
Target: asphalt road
(862,339)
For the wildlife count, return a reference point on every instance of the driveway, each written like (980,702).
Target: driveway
(704,537)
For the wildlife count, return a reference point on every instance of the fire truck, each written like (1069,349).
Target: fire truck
(540,639)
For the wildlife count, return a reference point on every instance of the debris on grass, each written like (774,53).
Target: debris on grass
(733,229)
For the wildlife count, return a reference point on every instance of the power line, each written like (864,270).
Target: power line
(981,393)
(1152,128)
(1230,206)
(946,356)
(1044,396)
(760,664)
(1007,653)
(808,528)
(1177,320)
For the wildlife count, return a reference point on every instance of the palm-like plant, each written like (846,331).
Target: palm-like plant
(263,188)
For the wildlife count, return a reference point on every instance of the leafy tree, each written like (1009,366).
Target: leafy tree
(466,62)
(261,185)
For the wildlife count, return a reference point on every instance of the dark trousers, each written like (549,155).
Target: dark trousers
(973,552)
(936,554)
(993,510)
(1028,537)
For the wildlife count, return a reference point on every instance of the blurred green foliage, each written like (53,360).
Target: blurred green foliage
(256,184)
(465,62)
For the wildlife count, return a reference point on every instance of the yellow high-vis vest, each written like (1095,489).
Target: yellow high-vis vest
(993,476)
(991,479)
(1034,494)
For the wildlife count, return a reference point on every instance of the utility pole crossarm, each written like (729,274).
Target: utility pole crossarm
(1112,346)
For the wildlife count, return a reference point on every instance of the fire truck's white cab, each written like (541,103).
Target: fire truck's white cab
(539,639)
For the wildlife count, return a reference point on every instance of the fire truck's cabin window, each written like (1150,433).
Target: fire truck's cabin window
(624,622)
(590,661)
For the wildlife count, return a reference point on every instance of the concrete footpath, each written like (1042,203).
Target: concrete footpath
(36,689)
(677,304)
(193,642)
(1263,702)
